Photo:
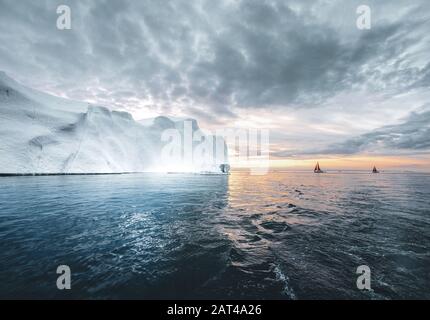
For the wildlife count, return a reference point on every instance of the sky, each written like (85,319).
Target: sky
(325,89)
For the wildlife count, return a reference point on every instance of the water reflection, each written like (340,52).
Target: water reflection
(284,235)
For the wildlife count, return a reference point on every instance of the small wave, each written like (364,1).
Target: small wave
(275,226)
(288,290)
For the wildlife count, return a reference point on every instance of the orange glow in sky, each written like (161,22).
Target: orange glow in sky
(356,162)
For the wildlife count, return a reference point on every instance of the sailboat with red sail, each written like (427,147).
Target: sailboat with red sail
(318,169)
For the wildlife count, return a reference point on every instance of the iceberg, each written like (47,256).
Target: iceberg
(44,134)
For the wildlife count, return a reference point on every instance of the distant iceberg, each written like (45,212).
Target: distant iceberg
(44,134)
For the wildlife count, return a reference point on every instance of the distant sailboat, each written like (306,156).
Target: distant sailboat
(318,169)
(375,170)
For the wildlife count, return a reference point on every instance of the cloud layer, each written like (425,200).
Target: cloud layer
(411,136)
(221,60)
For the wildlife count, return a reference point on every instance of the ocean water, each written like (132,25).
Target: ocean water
(285,235)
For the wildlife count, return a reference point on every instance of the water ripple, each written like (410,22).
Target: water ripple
(281,236)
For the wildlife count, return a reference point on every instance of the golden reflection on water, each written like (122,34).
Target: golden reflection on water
(266,203)
(284,190)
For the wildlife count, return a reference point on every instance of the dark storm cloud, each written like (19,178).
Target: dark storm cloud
(216,55)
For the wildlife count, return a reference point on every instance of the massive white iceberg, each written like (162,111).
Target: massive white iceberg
(44,134)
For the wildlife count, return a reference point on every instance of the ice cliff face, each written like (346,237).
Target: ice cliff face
(40,133)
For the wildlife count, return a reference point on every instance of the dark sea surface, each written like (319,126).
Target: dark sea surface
(284,235)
